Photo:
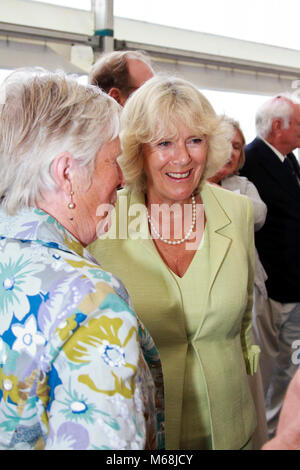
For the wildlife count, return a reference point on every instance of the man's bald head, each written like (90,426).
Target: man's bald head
(119,73)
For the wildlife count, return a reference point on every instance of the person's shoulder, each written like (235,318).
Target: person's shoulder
(234,182)
(82,274)
(234,204)
(257,146)
(241,182)
(257,142)
(106,283)
(224,194)
(255,153)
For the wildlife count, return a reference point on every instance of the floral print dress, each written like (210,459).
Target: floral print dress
(77,368)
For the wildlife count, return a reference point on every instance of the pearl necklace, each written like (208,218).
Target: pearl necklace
(187,235)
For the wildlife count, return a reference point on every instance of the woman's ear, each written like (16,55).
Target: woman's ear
(62,170)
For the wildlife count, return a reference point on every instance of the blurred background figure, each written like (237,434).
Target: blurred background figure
(287,436)
(73,372)
(120,73)
(187,262)
(228,177)
(272,167)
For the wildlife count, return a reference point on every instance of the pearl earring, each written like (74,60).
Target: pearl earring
(71,204)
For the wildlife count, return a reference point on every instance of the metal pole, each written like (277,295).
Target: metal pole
(104,22)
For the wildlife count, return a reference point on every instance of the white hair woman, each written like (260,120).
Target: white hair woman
(190,274)
(73,372)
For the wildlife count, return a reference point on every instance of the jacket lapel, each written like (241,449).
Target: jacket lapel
(137,214)
(216,220)
(219,243)
(275,168)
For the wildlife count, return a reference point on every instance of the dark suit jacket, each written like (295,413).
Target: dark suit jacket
(278,242)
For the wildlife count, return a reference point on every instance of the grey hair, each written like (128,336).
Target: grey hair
(279,107)
(45,114)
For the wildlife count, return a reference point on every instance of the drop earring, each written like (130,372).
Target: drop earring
(71,204)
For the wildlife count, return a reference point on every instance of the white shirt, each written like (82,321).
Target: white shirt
(279,154)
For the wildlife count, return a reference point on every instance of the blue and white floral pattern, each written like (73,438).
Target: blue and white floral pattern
(77,369)
(28,339)
(18,280)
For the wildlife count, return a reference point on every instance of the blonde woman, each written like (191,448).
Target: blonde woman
(187,259)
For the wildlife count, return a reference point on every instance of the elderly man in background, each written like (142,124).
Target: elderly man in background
(274,170)
(120,73)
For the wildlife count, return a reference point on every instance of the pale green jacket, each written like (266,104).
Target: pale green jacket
(223,339)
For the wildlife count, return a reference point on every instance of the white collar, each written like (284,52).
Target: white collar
(279,154)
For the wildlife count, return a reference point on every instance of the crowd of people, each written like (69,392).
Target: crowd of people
(149,265)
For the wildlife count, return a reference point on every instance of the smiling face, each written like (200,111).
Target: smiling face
(174,166)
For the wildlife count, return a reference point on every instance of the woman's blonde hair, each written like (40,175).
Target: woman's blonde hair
(43,115)
(153,112)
